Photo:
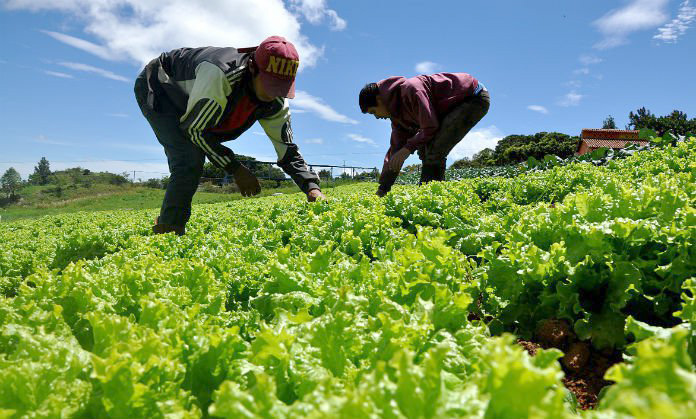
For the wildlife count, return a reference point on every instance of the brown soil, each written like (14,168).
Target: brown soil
(554,333)
(528,346)
(589,381)
(584,370)
(576,357)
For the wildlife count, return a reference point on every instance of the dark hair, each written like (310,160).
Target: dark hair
(368,96)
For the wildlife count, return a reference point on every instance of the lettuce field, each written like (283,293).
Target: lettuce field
(568,292)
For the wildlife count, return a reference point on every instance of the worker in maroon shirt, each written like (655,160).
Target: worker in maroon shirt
(428,113)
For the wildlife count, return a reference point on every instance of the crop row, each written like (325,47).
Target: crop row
(359,306)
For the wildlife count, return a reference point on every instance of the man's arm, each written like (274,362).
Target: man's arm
(279,131)
(205,105)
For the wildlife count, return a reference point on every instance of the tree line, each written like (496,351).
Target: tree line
(518,148)
(58,182)
(510,150)
(11,181)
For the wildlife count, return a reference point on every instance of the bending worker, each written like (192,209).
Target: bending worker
(428,113)
(196,98)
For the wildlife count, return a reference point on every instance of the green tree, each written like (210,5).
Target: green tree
(117,179)
(412,168)
(518,148)
(267,171)
(370,175)
(211,171)
(676,122)
(462,163)
(155,183)
(41,172)
(485,157)
(324,174)
(11,181)
(642,118)
(609,123)
(259,169)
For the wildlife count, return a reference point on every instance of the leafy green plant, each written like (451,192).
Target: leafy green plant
(359,306)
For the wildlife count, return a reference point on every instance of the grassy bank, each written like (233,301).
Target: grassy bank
(38,201)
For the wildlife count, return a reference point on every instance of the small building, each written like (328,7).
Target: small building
(592,139)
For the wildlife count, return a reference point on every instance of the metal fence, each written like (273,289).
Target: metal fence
(344,172)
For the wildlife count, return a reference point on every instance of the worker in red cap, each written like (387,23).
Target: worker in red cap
(197,98)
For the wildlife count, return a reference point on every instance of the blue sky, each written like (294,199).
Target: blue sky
(67,68)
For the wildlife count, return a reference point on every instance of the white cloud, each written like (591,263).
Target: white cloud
(572,98)
(574,84)
(475,141)
(305,101)
(91,69)
(538,108)
(78,43)
(670,32)
(42,139)
(588,60)
(139,30)
(149,147)
(427,67)
(361,139)
(314,141)
(316,11)
(637,15)
(58,74)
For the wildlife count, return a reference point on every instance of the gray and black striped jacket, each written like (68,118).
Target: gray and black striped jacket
(212,88)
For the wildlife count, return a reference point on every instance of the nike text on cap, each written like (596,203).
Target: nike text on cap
(277,61)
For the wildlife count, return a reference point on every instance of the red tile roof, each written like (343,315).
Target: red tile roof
(609,134)
(597,143)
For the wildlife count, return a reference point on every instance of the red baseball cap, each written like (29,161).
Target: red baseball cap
(277,61)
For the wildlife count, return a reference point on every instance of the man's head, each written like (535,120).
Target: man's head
(276,62)
(371,103)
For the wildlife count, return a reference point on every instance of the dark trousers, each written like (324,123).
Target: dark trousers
(458,122)
(184,158)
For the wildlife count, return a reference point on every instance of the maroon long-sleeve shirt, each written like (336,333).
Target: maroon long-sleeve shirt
(418,104)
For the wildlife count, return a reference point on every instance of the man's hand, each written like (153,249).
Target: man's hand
(248,183)
(315,194)
(397,160)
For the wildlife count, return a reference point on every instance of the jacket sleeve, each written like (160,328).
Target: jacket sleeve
(279,131)
(397,141)
(206,103)
(417,100)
